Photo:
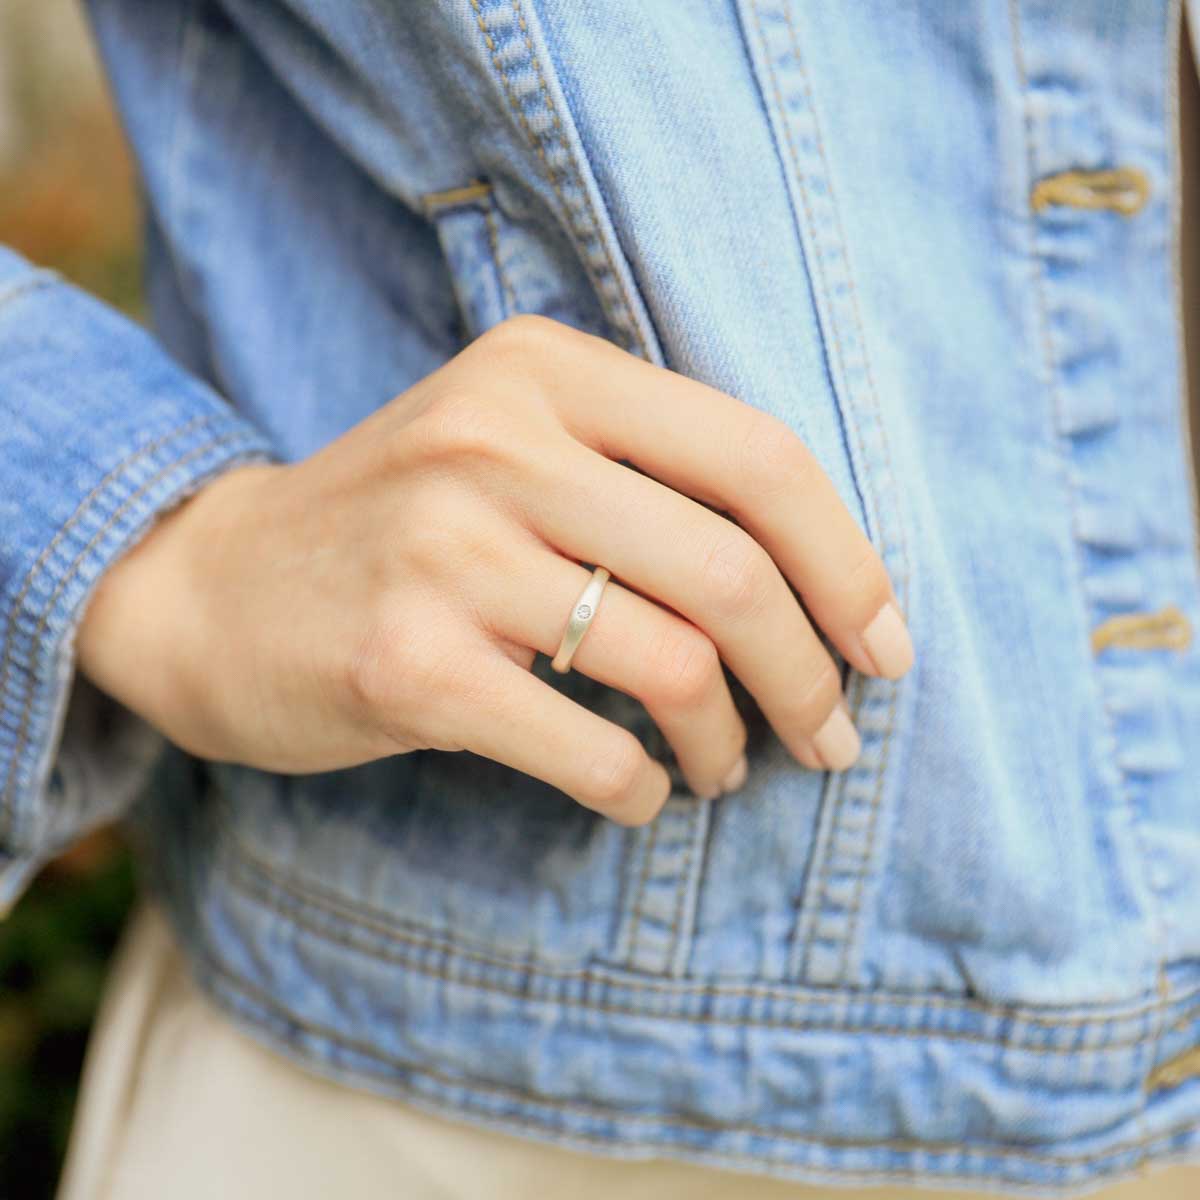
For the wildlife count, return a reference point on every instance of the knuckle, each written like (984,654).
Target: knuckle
(818,696)
(773,457)
(389,663)
(370,671)
(446,541)
(468,424)
(737,577)
(867,578)
(519,340)
(612,777)
(683,668)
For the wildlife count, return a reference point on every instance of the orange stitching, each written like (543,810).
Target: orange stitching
(1167,628)
(892,686)
(459,1083)
(493,233)
(837,343)
(641,889)
(432,202)
(682,880)
(23,728)
(1038,273)
(30,282)
(535,141)
(1174,1071)
(309,893)
(1120,189)
(74,519)
(889,724)
(254,888)
(537,66)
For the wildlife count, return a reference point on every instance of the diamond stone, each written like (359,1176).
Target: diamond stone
(583,611)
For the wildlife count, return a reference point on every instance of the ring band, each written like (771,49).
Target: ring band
(580,619)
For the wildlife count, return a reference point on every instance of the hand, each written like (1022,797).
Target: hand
(391,591)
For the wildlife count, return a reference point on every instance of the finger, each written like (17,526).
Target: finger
(744,461)
(679,553)
(525,723)
(631,644)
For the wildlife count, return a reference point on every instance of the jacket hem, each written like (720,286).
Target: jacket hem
(802,1083)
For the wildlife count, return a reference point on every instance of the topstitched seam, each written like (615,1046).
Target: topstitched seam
(85,506)
(955,1149)
(551,176)
(258,870)
(22,730)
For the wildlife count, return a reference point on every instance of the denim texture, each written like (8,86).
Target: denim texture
(972,957)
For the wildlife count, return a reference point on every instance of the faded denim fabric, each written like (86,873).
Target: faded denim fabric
(972,958)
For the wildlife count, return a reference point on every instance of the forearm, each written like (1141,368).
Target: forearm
(100,433)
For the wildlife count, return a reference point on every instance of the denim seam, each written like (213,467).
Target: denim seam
(382,925)
(678,821)
(958,1150)
(493,234)
(1061,442)
(191,47)
(446,974)
(891,687)
(585,227)
(30,282)
(7,810)
(90,503)
(805,916)
(816,905)
(553,108)
(648,842)
(687,890)
(92,498)
(253,888)
(535,141)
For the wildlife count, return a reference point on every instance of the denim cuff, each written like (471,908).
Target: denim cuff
(100,433)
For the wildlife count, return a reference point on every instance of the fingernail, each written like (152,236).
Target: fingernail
(737,776)
(888,642)
(837,740)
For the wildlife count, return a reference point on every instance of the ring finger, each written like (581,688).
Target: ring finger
(715,575)
(635,646)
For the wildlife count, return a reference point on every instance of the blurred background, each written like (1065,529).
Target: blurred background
(67,201)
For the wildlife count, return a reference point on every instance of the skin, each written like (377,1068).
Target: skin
(391,591)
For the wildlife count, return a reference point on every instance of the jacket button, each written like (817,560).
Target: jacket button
(1120,189)
(1168,628)
(1174,1071)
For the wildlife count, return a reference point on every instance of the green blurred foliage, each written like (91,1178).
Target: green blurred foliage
(55,950)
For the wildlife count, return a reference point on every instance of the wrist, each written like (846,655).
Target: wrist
(144,634)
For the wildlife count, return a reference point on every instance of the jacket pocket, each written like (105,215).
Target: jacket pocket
(467,226)
(503,258)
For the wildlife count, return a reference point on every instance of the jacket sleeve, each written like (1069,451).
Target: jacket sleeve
(100,432)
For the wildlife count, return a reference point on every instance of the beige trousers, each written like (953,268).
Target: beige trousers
(178,1103)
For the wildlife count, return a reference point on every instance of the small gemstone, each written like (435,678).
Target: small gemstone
(583,611)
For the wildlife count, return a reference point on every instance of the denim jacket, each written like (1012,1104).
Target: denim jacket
(941,242)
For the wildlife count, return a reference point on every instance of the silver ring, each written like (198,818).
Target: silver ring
(580,619)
